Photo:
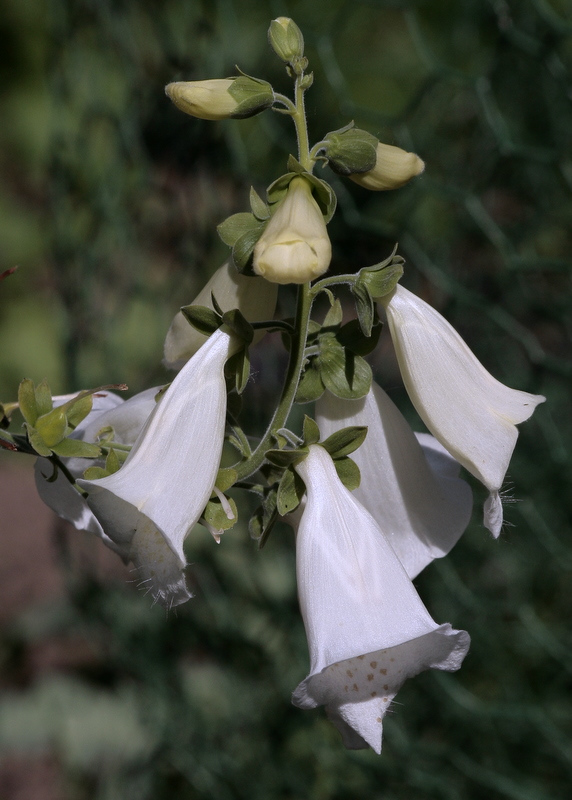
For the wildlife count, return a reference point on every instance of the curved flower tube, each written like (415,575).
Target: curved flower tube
(394,168)
(409,483)
(126,417)
(473,415)
(294,246)
(255,298)
(149,506)
(367,629)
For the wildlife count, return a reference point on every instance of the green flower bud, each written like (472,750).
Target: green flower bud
(351,150)
(394,167)
(286,39)
(221,98)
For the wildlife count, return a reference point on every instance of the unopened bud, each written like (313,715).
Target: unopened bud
(221,98)
(286,39)
(294,247)
(394,167)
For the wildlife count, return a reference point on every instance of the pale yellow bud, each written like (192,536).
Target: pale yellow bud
(295,247)
(203,99)
(394,167)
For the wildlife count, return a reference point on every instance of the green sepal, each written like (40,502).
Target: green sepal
(351,336)
(238,325)
(262,521)
(244,248)
(235,226)
(348,472)
(310,431)
(258,206)
(252,95)
(78,410)
(365,307)
(44,403)
(95,473)
(106,434)
(291,490)
(112,462)
(238,365)
(285,458)
(322,192)
(37,442)
(226,477)
(345,441)
(53,426)
(74,448)
(350,150)
(310,387)
(344,373)
(334,316)
(233,405)
(27,401)
(216,516)
(382,278)
(204,319)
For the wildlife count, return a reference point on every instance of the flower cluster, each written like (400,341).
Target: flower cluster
(142,473)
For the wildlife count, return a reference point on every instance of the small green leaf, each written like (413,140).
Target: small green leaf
(216,516)
(204,319)
(342,372)
(351,336)
(74,448)
(27,401)
(244,247)
(291,490)
(78,411)
(311,432)
(95,473)
(364,307)
(311,386)
(37,442)
(284,458)
(112,462)
(351,150)
(238,325)
(238,365)
(348,472)
(226,477)
(259,207)
(44,401)
(53,426)
(345,441)
(262,521)
(381,279)
(334,316)
(235,226)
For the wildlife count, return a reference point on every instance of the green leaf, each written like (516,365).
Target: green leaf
(78,411)
(53,426)
(351,150)
(238,325)
(351,336)
(334,316)
(345,441)
(95,473)
(112,462)
(381,279)
(311,432)
(291,490)
(236,226)
(345,374)
(311,386)
(216,516)
(348,472)
(244,247)
(204,319)
(364,307)
(37,442)
(262,521)
(239,366)
(226,477)
(74,448)
(27,401)
(44,402)
(259,207)
(284,458)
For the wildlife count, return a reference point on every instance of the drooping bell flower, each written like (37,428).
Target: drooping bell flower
(473,415)
(149,506)
(367,629)
(255,299)
(409,483)
(126,417)
(294,246)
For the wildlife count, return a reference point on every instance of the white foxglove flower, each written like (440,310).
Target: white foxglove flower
(255,298)
(126,417)
(409,483)
(149,506)
(394,168)
(367,629)
(471,413)
(294,246)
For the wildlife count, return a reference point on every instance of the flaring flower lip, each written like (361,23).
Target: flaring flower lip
(409,483)
(367,628)
(473,415)
(148,507)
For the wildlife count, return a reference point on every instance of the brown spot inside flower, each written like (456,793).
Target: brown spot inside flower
(379,719)
(383,672)
(373,664)
(385,687)
(370,677)
(374,694)
(355,687)
(385,699)
(349,673)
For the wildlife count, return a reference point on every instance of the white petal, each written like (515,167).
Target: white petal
(409,483)
(170,472)
(465,408)
(367,628)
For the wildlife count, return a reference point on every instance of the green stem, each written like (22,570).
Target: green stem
(299,117)
(304,305)
(332,281)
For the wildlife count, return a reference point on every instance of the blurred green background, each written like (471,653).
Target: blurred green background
(109,200)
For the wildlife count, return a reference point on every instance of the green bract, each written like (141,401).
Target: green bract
(350,150)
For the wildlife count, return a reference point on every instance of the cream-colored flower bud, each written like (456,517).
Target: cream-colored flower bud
(394,167)
(203,99)
(295,247)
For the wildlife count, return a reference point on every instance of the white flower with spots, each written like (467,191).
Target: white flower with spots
(367,629)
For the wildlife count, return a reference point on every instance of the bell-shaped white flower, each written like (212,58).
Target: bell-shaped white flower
(367,629)
(149,506)
(409,483)
(294,247)
(255,298)
(471,413)
(126,417)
